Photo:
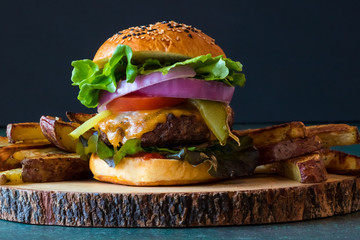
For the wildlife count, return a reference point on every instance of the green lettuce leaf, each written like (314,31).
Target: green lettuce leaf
(93,145)
(227,161)
(206,67)
(130,147)
(91,79)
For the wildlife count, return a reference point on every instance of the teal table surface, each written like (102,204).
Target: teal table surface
(336,227)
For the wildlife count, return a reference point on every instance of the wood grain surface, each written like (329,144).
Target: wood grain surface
(256,200)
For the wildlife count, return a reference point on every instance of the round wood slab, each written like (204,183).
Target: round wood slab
(256,200)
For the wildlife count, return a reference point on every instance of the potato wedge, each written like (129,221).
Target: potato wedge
(9,164)
(25,132)
(8,151)
(335,134)
(55,168)
(308,168)
(20,155)
(15,159)
(4,141)
(79,117)
(341,163)
(57,132)
(288,149)
(274,134)
(13,176)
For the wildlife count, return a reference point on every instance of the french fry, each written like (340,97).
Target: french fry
(4,141)
(8,151)
(25,132)
(274,134)
(304,169)
(57,132)
(55,168)
(335,134)
(79,117)
(288,149)
(341,163)
(13,176)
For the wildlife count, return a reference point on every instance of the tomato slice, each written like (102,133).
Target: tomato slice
(148,156)
(135,102)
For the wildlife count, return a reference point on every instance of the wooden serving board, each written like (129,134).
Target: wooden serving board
(256,200)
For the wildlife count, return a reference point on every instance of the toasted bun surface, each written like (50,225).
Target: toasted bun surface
(162,40)
(153,172)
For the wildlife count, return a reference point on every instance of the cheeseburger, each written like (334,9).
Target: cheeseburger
(162,92)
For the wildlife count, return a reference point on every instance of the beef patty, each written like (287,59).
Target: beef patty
(185,130)
(175,131)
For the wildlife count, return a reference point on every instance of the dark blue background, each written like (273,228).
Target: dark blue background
(301,58)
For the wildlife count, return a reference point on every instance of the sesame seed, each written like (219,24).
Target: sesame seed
(142,37)
(178,30)
(185,30)
(122,41)
(190,35)
(177,38)
(124,37)
(129,39)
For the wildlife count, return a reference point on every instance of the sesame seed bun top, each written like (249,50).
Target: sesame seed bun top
(162,40)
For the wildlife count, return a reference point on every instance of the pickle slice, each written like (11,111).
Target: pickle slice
(89,124)
(215,117)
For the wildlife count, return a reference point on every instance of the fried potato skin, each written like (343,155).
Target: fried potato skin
(54,169)
(57,132)
(335,134)
(25,132)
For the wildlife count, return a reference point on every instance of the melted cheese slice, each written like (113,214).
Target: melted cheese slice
(123,126)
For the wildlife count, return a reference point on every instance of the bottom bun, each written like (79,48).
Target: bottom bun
(152,172)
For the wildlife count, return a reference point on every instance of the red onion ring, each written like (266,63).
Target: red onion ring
(190,88)
(143,81)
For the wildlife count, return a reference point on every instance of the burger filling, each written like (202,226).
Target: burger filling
(180,125)
(177,110)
